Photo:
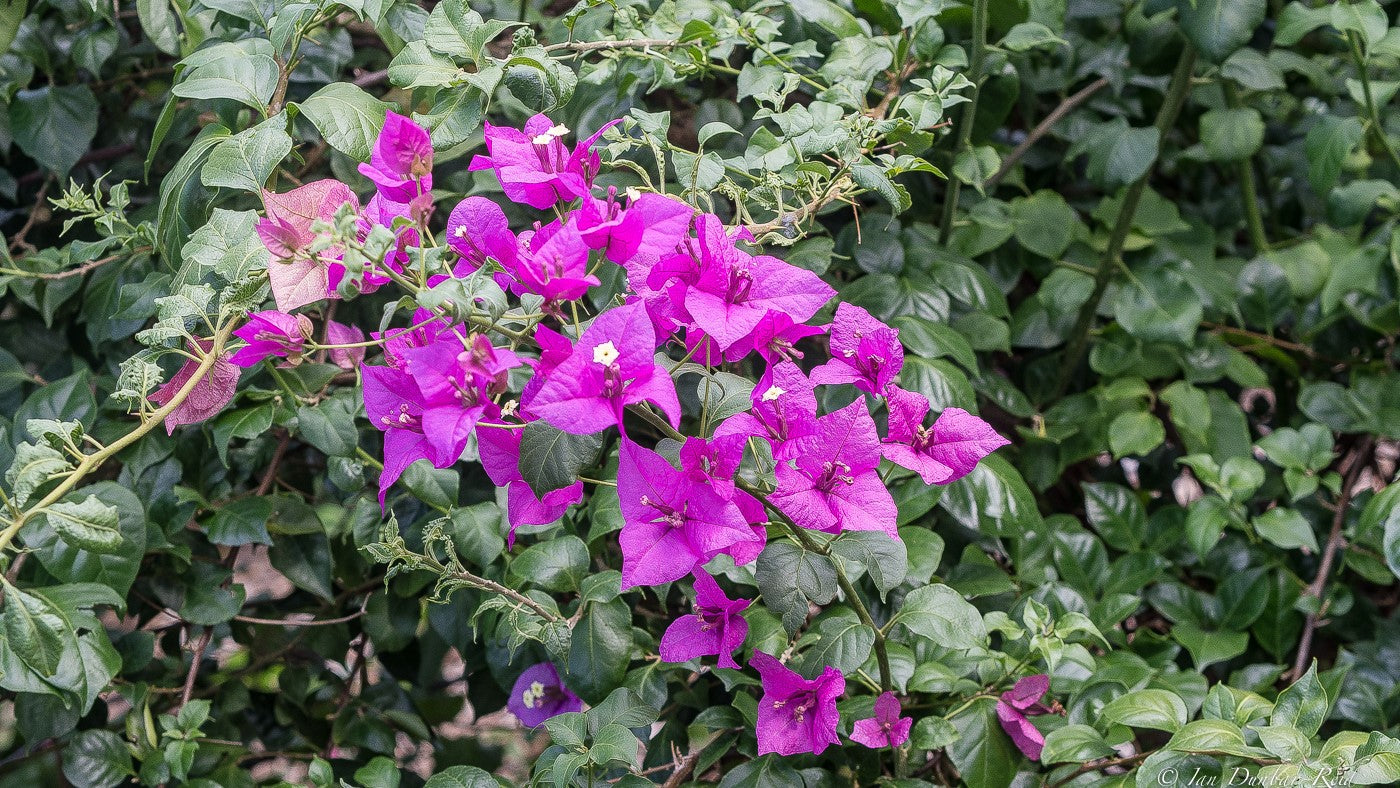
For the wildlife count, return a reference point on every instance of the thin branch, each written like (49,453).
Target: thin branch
(1058,114)
(93,461)
(79,271)
(896,83)
(1098,766)
(1360,458)
(969,114)
(626,43)
(1177,92)
(371,78)
(35,214)
(193,675)
(683,769)
(292,623)
(803,213)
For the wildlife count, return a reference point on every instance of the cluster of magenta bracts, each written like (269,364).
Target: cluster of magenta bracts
(691,287)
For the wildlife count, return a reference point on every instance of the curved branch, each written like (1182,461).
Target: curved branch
(1067,106)
(91,462)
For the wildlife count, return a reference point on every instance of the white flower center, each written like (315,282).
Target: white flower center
(605,353)
(772,394)
(555,132)
(533,695)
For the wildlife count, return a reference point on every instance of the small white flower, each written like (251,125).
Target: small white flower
(772,394)
(633,193)
(605,353)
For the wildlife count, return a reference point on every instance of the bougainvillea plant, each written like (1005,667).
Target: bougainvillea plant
(810,393)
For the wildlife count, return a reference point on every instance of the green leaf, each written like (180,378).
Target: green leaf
(1328,144)
(35,630)
(415,66)
(1030,35)
(551,459)
(1287,743)
(223,251)
(1160,306)
(933,733)
(70,563)
(453,118)
(767,771)
(1135,433)
(933,340)
(380,771)
(241,522)
(242,71)
(247,159)
(461,777)
(1118,153)
(1219,27)
(1075,743)
(983,754)
(244,423)
(33,467)
(87,525)
(1377,761)
(96,759)
(1205,522)
(1208,648)
(873,178)
(883,558)
(599,650)
(11,15)
(622,707)
(348,118)
(843,642)
(1297,20)
(557,565)
(183,197)
(831,17)
(1044,223)
(1302,705)
(1212,736)
(161,24)
(614,744)
(304,559)
(54,125)
(789,577)
(1232,134)
(1148,708)
(940,614)
(994,499)
(330,426)
(1117,514)
(974,166)
(1286,528)
(476,532)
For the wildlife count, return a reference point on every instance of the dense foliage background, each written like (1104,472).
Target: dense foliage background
(1152,243)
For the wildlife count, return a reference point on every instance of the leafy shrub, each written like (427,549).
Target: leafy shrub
(805,393)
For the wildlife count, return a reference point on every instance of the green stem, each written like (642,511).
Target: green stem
(969,113)
(848,588)
(1249,190)
(90,462)
(1377,128)
(1172,103)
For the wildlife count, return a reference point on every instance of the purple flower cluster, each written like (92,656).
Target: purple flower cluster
(693,287)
